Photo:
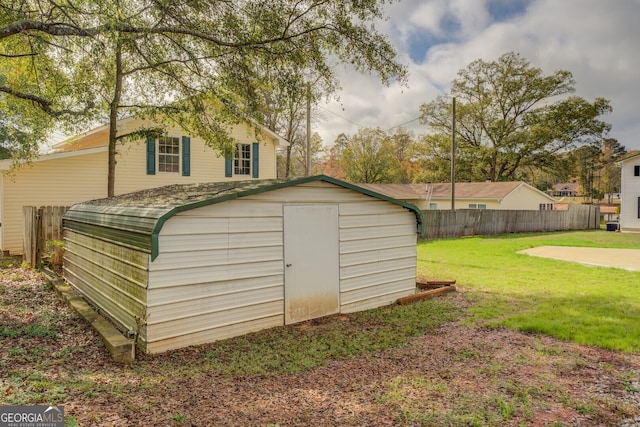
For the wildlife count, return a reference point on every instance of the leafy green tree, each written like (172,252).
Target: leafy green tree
(370,157)
(510,116)
(292,162)
(433,155)
(285,113)
(587,164)
(37,78)
(403,142)
(610,178)
(21,132)
(330,163)
(201,64)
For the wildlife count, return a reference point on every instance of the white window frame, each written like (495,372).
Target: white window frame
(160,155)
(242,164)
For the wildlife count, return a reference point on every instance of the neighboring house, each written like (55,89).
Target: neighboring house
(77,170)
(630,194)
(565,189)
(609,213)
(191,264)
(469,195)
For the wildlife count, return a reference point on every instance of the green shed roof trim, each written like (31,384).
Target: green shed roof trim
(137,218)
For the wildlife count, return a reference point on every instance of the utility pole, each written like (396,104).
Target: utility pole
(453,156)
(308,150)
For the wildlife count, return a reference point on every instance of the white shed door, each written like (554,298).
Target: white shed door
(311,272)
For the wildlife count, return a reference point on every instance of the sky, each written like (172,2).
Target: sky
(598,41)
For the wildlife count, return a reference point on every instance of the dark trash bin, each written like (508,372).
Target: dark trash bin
(612,226)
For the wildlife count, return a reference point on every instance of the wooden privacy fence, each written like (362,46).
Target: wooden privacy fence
(469,222)
(40,226)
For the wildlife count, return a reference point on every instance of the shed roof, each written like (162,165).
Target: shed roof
(135,219)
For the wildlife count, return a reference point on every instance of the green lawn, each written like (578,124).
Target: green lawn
(588,305)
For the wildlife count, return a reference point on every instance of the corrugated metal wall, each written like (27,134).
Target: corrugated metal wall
(219,273)
(112,277)
(377,254)
(220,269)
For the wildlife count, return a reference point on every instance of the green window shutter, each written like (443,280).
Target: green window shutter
(255,158)
(151,156)
(186,156)
(228,166)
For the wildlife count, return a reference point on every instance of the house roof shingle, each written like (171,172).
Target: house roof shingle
(464,190)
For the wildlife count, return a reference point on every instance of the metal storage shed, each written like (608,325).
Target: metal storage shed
(189,264)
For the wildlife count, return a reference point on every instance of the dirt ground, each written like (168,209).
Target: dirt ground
(457,375)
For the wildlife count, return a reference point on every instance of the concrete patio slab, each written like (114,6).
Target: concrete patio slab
(628,259)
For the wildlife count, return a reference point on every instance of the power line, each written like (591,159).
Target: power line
(361,126)
(342,117)
(402,124)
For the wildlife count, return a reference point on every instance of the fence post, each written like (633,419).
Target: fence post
(41,241)
(30,234)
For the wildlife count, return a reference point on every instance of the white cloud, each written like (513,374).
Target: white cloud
(594,39)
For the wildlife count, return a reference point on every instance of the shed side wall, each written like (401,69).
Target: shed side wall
(220,272)
(112,277)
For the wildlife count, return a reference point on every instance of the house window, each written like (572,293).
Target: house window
(245,161)
(542,206)
(168,154)
(433,206)
(636,170)
(477,206)
(242,159)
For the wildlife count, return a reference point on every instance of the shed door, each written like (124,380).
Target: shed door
(311,277)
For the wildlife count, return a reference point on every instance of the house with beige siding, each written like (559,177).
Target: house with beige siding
(76,170)
(194,263)
(515,195)
(630,194)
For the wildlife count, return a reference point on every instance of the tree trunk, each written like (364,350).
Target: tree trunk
(113,121)
(287,172)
